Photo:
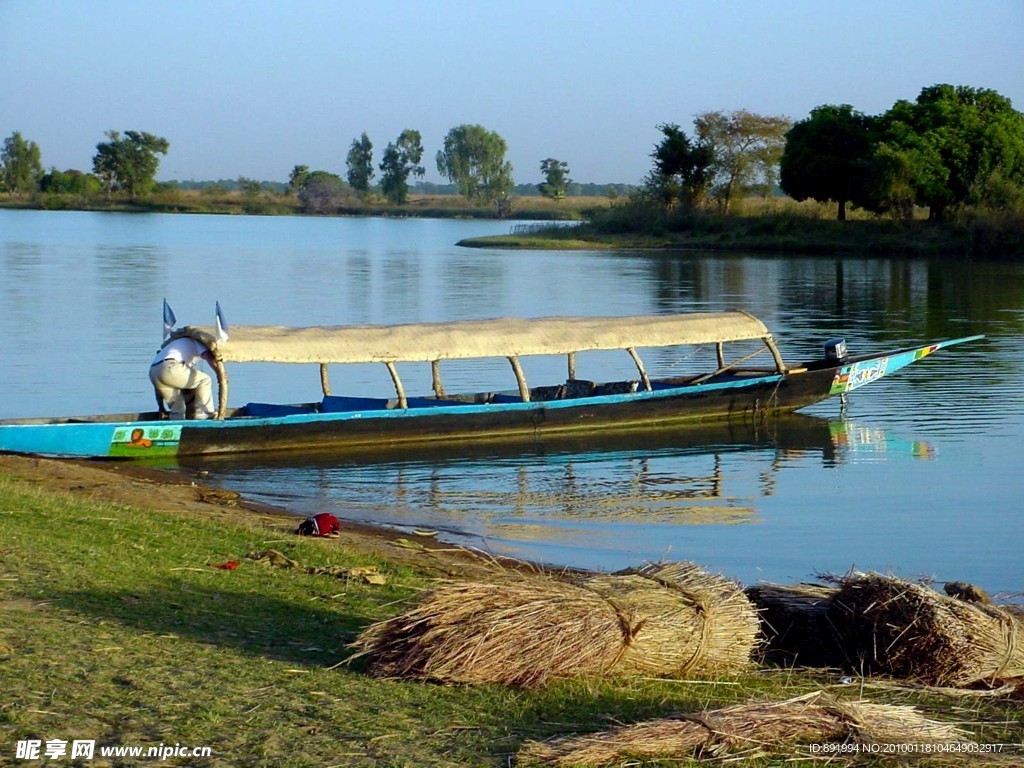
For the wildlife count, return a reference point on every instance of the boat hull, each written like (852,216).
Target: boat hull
(746,397)
(139,438)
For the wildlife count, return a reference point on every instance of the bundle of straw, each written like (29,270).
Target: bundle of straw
(909,630)
(662,620)
(795,624)
(755,729)
(681,620)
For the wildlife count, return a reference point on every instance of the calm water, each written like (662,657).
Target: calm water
(920,475)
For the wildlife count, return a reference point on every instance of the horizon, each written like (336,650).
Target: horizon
(253,89)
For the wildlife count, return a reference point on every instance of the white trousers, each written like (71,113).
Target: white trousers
(170,377)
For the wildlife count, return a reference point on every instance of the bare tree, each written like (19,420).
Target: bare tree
(747,149)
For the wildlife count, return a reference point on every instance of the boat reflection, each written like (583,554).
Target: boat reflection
(863,443)
(561,490)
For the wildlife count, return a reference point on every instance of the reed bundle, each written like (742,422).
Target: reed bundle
(672,620)
(681,620)
(754,729)
(909,630)
(795,624)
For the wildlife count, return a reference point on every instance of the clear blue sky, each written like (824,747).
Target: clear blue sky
(254,87)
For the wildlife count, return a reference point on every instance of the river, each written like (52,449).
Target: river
(918,476)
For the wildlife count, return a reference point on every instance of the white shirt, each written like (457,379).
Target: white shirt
(185,350)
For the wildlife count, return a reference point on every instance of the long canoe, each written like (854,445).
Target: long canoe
(729,389)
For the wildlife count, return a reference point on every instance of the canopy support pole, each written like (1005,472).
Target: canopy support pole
(325,382)
(720,351)
(572,366)
(770,343)
(435,373)
(399,389)
(640,367)
(524,390)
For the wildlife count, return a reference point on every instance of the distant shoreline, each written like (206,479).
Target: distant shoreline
(534,208)
(998,241)
(786,228)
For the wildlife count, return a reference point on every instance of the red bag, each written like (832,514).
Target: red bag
(319,525)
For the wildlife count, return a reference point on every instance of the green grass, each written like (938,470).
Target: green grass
(268,204)
(793,229)
(114,626)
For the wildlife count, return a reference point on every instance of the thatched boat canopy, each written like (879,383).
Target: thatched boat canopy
(471,339)
(510,338)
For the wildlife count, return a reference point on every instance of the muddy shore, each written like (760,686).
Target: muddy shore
(181,492)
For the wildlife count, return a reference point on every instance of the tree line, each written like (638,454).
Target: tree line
(472,159)
(253,186)
(730,154)
(125,164)
(953,146)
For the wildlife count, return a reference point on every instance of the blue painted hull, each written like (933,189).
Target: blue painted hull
(728,396)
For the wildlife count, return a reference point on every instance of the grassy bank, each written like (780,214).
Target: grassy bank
(267,204)
(776,225)
(115,626)
(790,233)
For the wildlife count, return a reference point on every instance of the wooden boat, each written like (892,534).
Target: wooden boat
(729,388)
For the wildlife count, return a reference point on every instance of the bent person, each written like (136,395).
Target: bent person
(178,382)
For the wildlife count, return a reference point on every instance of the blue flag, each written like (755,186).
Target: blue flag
(169,319)
(222,325)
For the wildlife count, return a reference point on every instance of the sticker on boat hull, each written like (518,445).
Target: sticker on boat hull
(851,377)
(161,440)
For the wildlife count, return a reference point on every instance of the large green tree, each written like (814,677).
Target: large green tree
(20,165)
(474,159)
(953,145)
(747,148)
(400,161)
(360,165)
(556,178)
(827,156)
(952,141)
(129,163)
(683,168)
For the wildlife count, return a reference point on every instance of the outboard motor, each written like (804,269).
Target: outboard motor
(835,350)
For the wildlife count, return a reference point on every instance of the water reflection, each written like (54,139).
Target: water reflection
(579,489)
(401,274)
(468,286)
(126,273)
(864,443)
(358,279)
(22,283)
(855,494)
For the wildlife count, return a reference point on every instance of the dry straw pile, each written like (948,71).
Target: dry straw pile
(795,624)
(668,619)
(908,630)
(751,729)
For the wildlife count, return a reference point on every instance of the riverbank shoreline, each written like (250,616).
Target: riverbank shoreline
(533,208)
(783,235)
(778,226)
(139,608)
(181,492)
